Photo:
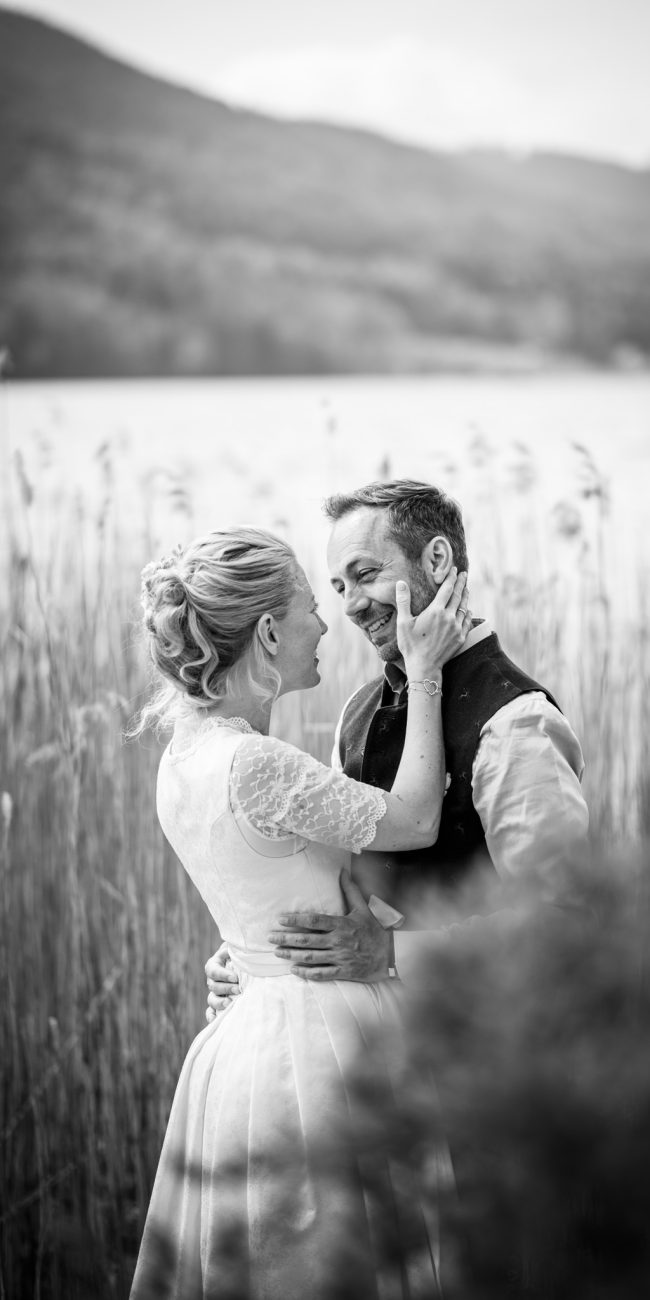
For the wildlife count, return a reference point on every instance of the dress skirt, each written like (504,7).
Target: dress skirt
(260,1191)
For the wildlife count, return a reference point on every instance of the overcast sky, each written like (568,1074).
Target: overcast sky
(563,74)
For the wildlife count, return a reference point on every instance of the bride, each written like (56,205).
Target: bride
(243,1203)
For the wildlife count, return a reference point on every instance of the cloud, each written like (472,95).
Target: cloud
(438,95)
(397,87)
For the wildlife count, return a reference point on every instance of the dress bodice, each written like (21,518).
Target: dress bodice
(247,878)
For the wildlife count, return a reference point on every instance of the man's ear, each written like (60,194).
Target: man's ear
(437,559)
(267,632)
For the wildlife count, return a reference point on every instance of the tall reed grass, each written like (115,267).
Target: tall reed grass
(102,938)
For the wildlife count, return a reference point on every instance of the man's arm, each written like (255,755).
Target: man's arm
(355,946)
(526,789)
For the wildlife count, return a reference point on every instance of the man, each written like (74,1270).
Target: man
(513,804)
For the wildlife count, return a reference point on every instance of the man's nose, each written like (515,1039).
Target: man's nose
(354,601)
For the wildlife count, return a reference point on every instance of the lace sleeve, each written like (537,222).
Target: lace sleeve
(282,791)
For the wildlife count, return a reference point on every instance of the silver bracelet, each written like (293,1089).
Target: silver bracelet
(431,687)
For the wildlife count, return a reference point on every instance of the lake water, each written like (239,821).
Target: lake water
(194,454)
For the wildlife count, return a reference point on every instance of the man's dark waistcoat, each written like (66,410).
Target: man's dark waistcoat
(475,685)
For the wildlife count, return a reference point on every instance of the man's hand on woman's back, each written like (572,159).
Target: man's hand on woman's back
(222,981)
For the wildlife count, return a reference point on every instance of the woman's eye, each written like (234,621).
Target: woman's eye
(366,573)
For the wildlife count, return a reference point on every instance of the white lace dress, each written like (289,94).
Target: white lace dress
(243,1203)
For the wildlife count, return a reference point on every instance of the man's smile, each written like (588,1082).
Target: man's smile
(377,624)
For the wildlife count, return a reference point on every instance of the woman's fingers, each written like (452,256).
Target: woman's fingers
(449,594)
(463,612)
(438,632)
(446,589)
(456,599)
(403,600)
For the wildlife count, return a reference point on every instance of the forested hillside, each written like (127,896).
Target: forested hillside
(147,230)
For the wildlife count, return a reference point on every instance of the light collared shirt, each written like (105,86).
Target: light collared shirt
(525,788)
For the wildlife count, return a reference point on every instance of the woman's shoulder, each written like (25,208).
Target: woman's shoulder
(195,769)
(266,763)
(198,732)
(271,752)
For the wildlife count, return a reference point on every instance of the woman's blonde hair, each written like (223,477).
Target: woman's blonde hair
(201,607)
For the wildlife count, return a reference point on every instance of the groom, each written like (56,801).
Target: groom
(513,805)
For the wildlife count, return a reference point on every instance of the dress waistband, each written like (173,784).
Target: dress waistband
(264,964)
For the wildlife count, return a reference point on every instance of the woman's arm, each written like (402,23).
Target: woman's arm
(279,790)
(427,641)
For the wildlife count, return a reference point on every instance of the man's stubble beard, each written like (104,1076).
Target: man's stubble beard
(422,593)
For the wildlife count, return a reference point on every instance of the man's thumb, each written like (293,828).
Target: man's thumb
(351,892)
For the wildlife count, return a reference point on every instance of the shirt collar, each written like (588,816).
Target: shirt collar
(396,677)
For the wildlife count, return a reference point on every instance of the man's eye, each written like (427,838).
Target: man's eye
(366,573)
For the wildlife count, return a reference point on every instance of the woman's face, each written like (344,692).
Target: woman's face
(299,633)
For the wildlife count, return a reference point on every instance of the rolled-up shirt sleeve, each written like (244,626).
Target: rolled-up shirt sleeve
(526,790)
(526,787)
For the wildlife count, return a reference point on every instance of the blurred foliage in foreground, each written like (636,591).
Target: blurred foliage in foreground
(535,1027)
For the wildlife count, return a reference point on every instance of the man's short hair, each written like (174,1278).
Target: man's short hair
(416,513)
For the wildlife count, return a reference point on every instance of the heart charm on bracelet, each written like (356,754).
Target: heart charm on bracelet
(431,688)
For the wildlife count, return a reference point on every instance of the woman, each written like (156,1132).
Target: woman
(243,1203)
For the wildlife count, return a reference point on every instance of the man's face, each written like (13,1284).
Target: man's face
(364,564)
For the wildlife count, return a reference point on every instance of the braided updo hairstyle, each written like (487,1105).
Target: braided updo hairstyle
(201,604)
